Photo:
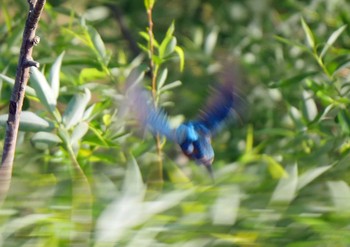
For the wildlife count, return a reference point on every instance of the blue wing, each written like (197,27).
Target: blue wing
(221,102)
(155,120)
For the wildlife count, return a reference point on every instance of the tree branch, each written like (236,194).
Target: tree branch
(15,107)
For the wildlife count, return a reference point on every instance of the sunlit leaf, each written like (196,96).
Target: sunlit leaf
(54,77)
(78,132)
(29,90)
(76,107)
(170,85)
(309,35)
(18,224)
(334,36)
(30,121)
(181,55)
(43,89)
(340,194)
(210,41)
(286,188)
(310,175)
(45,140)
(161,78)
(276,170)
(149,4)
(309,106)
(225,208)
(98,44)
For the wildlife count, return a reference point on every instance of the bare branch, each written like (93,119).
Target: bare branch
(22,75)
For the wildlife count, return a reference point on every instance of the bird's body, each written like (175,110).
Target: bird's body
(194,137)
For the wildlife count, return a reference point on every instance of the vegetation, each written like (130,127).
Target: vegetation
(86,175)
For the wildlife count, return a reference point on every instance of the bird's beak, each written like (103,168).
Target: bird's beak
(210,171)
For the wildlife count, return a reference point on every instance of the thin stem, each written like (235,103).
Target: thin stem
(81,213)
(153,72)
(15,108)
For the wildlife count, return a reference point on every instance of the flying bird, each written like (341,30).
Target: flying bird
(194,136)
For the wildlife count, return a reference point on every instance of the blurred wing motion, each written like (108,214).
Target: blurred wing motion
(222,100)
(155,120)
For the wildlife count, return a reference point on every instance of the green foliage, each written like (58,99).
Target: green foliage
(83,168)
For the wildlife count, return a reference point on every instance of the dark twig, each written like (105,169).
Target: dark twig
(22,75)
(118,15)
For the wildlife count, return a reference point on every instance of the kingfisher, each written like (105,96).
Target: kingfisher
(194,136)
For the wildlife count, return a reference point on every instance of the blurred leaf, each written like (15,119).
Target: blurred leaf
(98,44)
(344,121)
(309,35)
(170,86)
(75,109)
(54,77)
(149,4)
(334,36)
(29,91)
(45,140)
(293,80)
(286,188)
(226,206)
(78,133)
(210,41)
(310,175)
(18,224)
(276,170)
(161,78)
(249,139)
(340,194)
(168,44)
(29,121)
(90,74)
(43,89)
(125,211)
(181,55)
(309,106)
(177,176)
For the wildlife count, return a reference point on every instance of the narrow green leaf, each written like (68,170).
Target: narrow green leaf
(149,4)
(75,109)
(249,139)
(98,44)
(310,175)
(334,36)
(291,42)
(170,86)
(17,225)
(169,49)
(29,90)
(276,169)
(221,214)
(286,188)
(293,80)
(90,74)
(45,140)
(43,89)
(309,106)
(78,133)
(29,121)
(340,194)
(133,182)
(54,77)
(181,55)
(171,29)
(210,41)
(161,78)
(309,35)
